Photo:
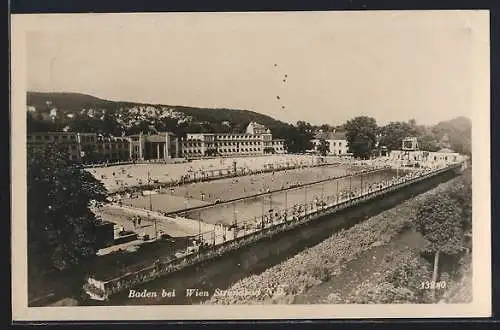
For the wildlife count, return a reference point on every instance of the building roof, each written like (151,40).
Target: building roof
(330,135)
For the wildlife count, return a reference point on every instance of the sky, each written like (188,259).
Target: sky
(338,65)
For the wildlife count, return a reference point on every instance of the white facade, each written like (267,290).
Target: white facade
(338,147)
(337,143)
(426,158)
(256,128)
(197,145)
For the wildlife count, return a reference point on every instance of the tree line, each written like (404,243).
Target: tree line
(364,135)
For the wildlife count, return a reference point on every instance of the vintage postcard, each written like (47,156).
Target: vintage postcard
(283,165)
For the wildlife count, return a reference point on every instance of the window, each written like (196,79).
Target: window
(38,137)
(65,137)
(47,138)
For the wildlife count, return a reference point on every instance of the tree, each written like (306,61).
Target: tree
(461,193)
(458,132)
(428,142)
(394,133)
(297,138)
(323,147)
(439,219)
(361,135)
(61,227)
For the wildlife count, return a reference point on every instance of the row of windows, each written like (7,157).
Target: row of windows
(89,139)
(193,144)
(84,139)
(199,145)
(435,158)
(52,138)
(225,150)
(112,146)
(233,137)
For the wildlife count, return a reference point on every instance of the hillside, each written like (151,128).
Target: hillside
(81,112)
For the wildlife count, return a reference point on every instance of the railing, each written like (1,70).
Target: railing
(364,172)
(105,289)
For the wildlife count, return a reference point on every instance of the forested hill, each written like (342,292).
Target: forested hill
(86,113)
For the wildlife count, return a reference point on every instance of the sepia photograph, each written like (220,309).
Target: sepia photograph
(251,165)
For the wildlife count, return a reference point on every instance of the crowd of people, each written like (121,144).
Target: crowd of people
(124,177)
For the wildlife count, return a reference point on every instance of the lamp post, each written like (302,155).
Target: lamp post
(286,204)
(199,225)
(270,201)
(361,184)
(350,186)
(234,214)
(305,200)
(322,185)
(337,195)
(151,206)
(150,200)
(322,194)
(156,231)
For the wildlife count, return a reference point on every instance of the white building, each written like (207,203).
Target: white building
(337,142)
(256,128)
(197,145)
(439,158)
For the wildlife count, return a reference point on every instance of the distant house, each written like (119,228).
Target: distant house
(256,128)
(409,157)
(337,142)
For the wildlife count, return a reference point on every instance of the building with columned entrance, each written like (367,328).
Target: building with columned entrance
(159,146)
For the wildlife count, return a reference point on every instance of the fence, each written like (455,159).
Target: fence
(287,220)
